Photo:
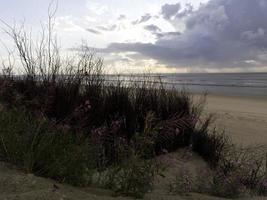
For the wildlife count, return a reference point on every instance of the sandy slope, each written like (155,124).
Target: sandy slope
(14,185)
(245,119)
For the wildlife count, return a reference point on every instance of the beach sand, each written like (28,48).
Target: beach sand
(243,118)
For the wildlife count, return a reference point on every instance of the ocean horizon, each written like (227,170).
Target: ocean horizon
(230,84)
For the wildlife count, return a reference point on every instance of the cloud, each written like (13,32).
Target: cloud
(93,31)
(97,8)
(155,30)
(188,10)
(253,35)
(219,34)
(67,24)
(107,28)
(152,28)
(168,34)
(170,10)
(122,17)
(143,19)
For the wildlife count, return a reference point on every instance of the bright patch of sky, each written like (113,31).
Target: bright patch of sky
(98,22)
(83,19)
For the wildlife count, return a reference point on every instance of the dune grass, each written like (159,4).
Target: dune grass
(68,129)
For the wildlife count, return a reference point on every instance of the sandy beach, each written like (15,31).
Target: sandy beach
(243,118)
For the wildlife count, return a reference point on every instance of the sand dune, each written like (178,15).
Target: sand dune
(245,119)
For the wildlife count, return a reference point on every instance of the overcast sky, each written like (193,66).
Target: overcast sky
(156,35)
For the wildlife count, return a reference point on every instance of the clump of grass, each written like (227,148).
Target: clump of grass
(133,177)
(248,163)
(240,171)
(37,146)
(210,145)
(134,171)
(219,184)
(229,185)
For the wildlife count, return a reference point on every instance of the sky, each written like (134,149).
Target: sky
(157,35)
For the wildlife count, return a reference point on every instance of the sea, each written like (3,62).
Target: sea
(228,84)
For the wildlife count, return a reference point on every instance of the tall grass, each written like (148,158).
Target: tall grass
(38,146)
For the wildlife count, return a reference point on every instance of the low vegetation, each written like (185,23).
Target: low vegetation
(240,172)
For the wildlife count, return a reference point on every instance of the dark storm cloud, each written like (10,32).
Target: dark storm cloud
(220,34)
(143,19)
